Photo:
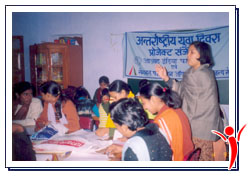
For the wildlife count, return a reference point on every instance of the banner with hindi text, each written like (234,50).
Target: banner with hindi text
(142,50)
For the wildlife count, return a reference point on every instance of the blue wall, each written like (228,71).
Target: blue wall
(102,35)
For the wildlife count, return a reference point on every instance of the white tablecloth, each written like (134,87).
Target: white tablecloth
(86,145)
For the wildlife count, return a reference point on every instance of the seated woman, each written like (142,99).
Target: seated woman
(118,89)
(26,108)
(103,83)
(84,105)
(86,108)
(103,111)
(58,109)
(170,118)
(143,82)
(145,142)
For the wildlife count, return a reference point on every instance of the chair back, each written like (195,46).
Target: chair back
(86,123)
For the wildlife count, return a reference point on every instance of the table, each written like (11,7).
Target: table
(78,146)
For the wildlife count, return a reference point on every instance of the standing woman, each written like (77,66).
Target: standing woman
(57,109)
(199,95)
(170,118)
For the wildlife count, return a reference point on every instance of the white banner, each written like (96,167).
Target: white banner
(142,50)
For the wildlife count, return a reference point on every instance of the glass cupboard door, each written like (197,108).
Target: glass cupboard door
(41,68)
(57,67)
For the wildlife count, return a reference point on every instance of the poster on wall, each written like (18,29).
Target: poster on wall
(143,50)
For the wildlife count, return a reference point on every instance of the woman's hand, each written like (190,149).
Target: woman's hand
(41,124)
(102,131)
(113,149)
(162,72)
(122,139)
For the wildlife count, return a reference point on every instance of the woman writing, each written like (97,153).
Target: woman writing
(145,142)
(170,118)
(57,109)
(118,89)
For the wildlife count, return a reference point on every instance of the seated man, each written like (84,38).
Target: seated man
(26,108)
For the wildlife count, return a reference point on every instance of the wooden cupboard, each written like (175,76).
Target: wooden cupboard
(58,62)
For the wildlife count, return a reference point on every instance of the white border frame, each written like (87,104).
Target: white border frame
(10,9)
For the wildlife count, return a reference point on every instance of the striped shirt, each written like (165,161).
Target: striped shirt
(103,117)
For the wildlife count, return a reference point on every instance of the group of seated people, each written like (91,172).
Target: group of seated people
(162,123)
(153,125)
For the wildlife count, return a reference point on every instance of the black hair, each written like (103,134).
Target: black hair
(81,92)
(55,90)
(128,111)
(205,52)
(143,82)
(103,79)
(105,91)
(118,86)
(168,96)
(22,149)
(21,87)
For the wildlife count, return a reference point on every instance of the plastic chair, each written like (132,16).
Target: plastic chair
(194,155)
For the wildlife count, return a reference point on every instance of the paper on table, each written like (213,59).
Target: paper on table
(83,145)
